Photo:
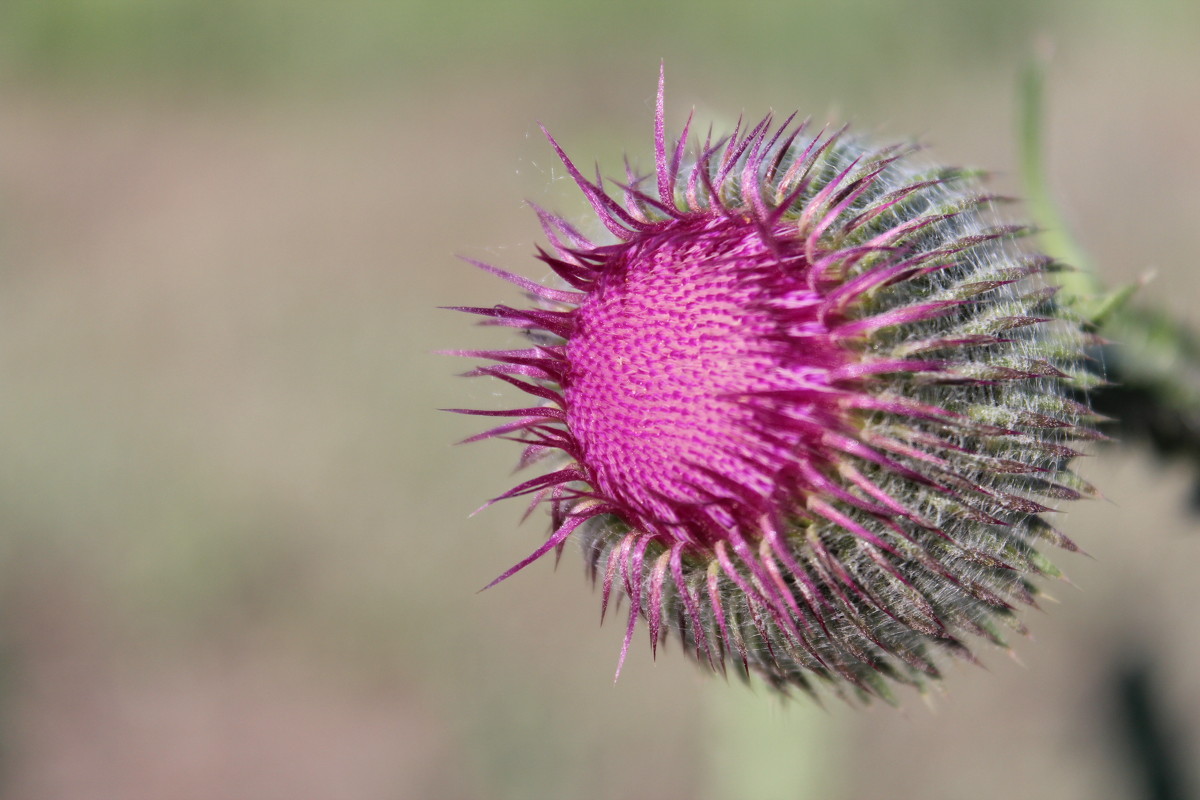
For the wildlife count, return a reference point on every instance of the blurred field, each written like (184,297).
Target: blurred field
(235,558)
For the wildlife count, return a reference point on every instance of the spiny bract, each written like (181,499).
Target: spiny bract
(807,405)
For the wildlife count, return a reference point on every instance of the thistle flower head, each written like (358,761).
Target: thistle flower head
(806,405)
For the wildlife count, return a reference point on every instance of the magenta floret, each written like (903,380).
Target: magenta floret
(805,404)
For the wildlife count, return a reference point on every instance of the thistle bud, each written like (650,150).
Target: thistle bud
(805,406)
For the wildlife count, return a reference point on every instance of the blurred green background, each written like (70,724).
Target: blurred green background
(235,558)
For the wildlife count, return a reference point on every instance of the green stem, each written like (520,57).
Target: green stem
(1055,238)
(764,748)
(1155,361)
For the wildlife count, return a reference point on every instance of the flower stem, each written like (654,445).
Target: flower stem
(1151,360)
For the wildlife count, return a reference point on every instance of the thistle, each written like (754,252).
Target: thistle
(805,405)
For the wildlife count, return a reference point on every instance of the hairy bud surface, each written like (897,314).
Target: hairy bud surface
(806,406)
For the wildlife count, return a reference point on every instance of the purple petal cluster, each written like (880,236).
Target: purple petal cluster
(805,405)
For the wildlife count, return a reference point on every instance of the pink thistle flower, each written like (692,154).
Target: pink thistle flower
(805,405)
